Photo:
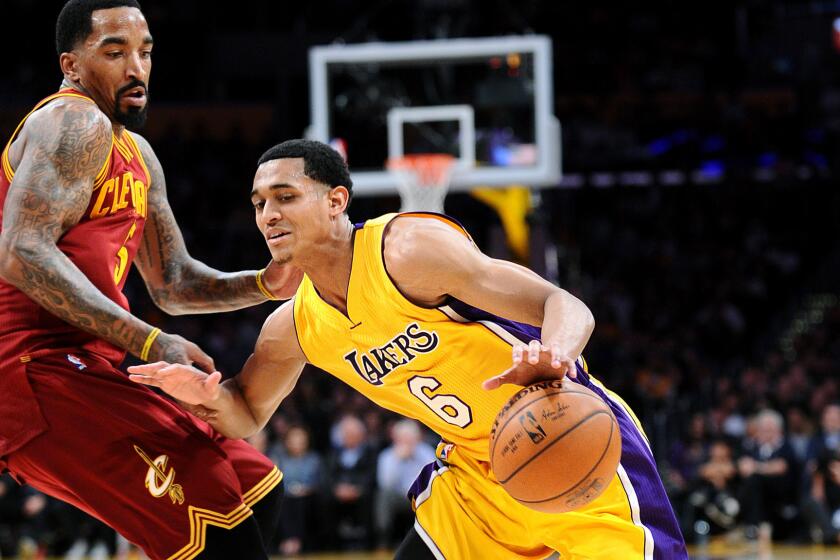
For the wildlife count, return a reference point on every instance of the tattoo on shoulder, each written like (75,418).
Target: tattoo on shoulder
(64,152)
(82,144)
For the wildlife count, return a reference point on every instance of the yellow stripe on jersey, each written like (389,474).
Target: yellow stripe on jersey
(200,518)
(106,167)
(410,359)
(258,492)
(131,140)
(7,168)
(122,148)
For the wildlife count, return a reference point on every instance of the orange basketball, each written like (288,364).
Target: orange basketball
(555,446)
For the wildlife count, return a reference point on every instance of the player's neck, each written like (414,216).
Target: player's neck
(66,83)
(329,268)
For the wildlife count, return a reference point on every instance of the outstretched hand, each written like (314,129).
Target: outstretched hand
(534,362)
(185,383)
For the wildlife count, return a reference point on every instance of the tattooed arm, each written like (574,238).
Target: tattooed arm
(59,152)
(179,283)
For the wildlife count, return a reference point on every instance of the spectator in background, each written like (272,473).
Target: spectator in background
(396,470)
(829,437)
(302,473)
(821,506)
(22,518)
(91,538)
(713,497)
(766,468)
(351,472)
(377,438)
(732,422)
(279,426)
(800,434)
(259,441)
(689,453)
(33,524)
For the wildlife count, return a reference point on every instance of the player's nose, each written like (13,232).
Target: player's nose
(271,213)
(134,69)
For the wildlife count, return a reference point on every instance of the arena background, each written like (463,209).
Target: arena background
(698,217)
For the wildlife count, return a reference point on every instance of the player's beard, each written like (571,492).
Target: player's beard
(135,117)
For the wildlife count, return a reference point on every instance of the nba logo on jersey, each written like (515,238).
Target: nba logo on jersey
(79,364)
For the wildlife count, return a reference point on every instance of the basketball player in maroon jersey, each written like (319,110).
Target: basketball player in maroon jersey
(80,197)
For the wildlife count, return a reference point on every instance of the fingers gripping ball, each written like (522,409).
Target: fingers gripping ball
(555,446)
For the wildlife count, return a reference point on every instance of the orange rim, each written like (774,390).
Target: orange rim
(429,170)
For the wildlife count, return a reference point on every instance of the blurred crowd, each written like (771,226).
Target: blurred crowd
(765,458)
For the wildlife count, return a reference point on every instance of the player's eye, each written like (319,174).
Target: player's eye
(146,54)
(259,205)
(114,54)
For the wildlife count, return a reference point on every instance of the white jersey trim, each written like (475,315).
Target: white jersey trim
(428,540)
(635,513)
(490,325)
(427,491)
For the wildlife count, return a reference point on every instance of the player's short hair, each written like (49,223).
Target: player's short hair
(74,22)
(320,162)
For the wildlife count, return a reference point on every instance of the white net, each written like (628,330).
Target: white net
(422,180)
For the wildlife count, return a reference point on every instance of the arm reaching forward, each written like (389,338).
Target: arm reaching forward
(242,405)
(429,261)
(179,283)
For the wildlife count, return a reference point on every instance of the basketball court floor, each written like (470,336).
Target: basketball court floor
(721,551)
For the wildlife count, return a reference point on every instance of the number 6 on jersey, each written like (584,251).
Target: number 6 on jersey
(449,407)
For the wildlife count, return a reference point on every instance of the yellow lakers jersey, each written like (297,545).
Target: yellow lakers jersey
(424,363)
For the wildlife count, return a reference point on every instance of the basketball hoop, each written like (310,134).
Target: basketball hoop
(422,180)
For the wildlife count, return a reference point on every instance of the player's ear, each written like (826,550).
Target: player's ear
(339,198)
(69,62)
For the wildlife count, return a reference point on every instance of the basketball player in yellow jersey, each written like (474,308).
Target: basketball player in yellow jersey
(408,311)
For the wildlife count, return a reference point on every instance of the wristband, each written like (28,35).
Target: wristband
(144,353)
(262,287)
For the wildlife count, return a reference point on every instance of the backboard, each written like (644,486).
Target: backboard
(486,101)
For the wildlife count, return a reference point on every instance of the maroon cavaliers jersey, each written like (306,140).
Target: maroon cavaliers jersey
(102,245)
